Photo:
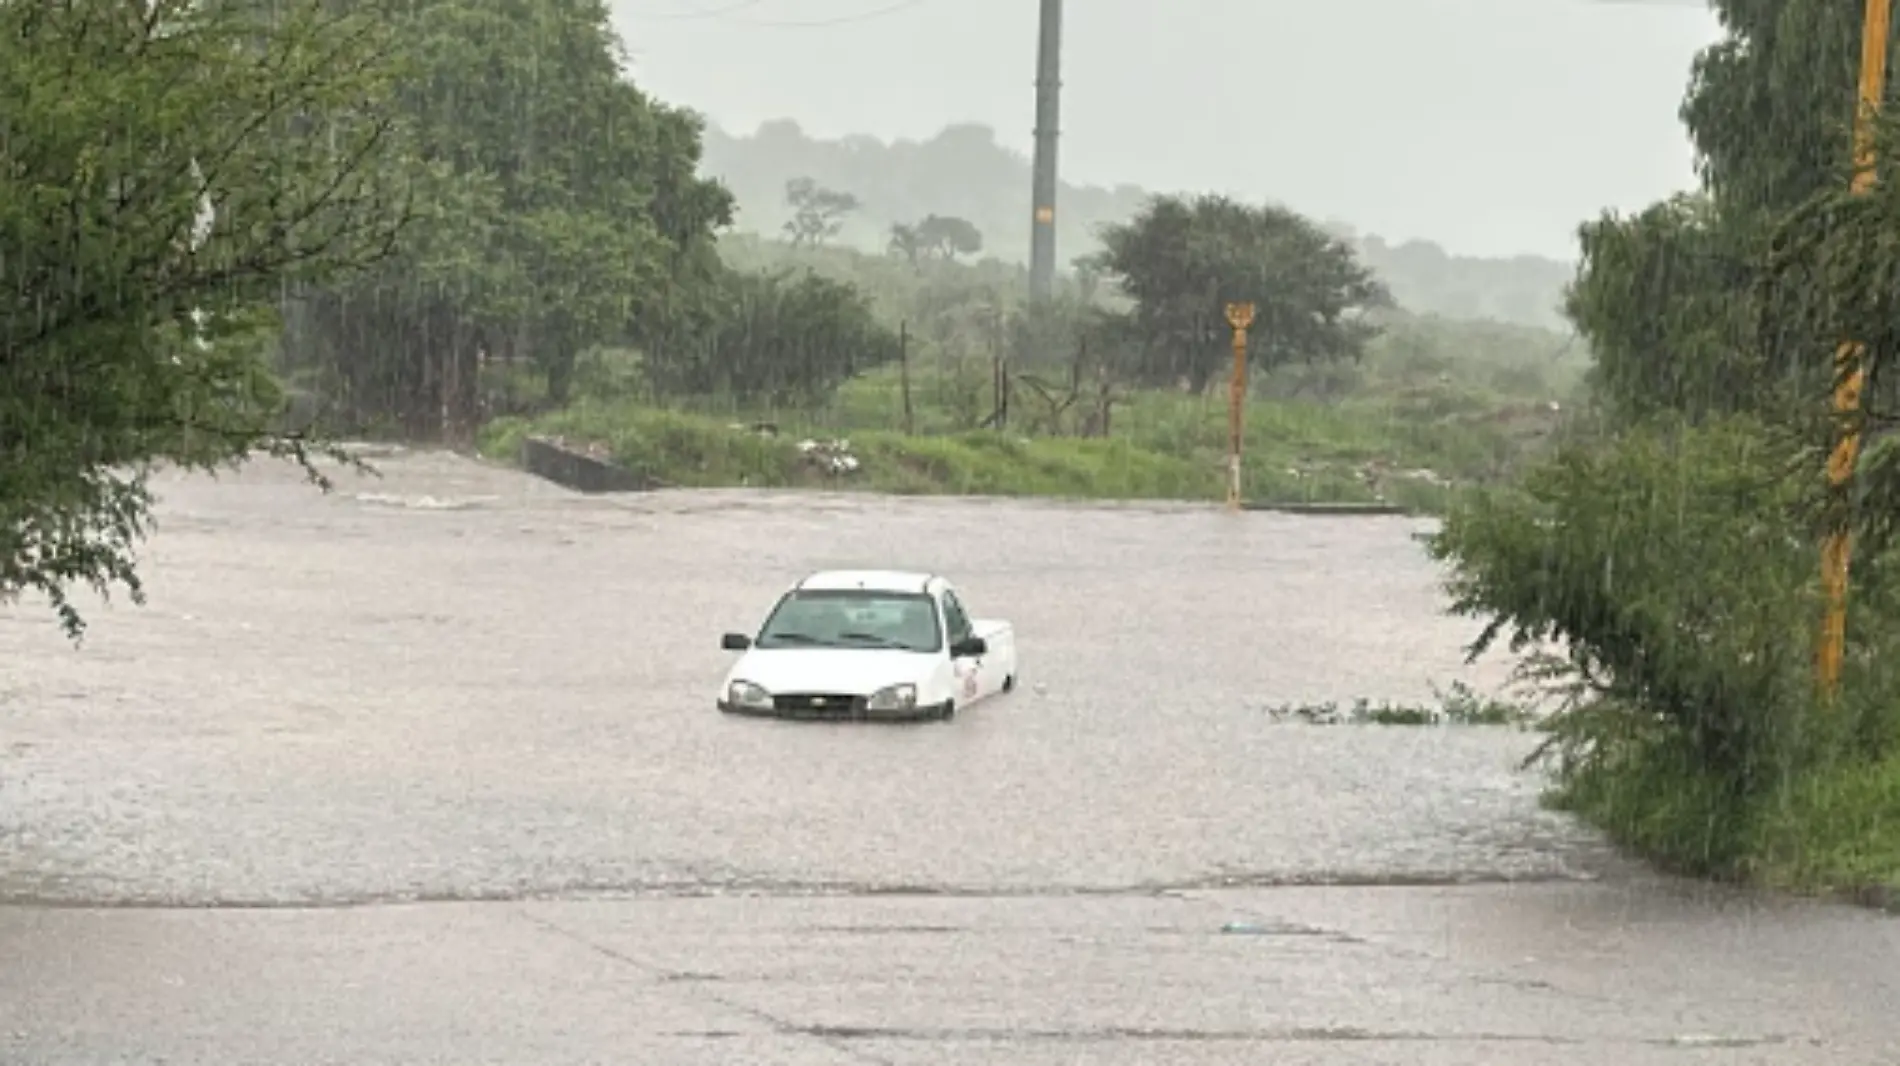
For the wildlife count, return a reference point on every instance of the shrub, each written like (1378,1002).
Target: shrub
(1674,571)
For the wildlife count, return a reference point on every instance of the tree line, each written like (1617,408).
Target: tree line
(963,171)
(1151,302)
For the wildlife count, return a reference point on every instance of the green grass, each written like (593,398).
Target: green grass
(1831,830)
(1403,444)
(1835,831)
(697,451)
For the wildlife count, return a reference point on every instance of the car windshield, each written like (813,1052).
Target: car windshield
(853,618)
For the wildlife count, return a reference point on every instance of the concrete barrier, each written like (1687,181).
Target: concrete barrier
(1329,508)
(577,470)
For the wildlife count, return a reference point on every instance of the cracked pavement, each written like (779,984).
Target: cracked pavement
(1640,973)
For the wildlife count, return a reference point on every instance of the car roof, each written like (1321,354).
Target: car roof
(868,580)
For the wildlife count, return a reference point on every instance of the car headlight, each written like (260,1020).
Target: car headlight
(893,698)
(747,694)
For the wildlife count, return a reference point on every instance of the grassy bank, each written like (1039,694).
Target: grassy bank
(1831,830)
(1386,437)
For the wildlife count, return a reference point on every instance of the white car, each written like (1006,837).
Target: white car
(869,644)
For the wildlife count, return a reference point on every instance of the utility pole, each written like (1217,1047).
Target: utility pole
(1042,193)
(1850,371)
(1240,317)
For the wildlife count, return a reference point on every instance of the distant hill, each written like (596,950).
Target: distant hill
(964,172)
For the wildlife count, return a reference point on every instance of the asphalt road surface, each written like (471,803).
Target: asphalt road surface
(427,771)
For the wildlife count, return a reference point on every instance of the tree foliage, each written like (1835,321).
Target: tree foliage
(818,213)
(934,236)
(1676,561)
(1664,299)
(563,210)
(1630,557)
(786,338)
(950,237)
(1673,569)
(1181,261)
(170,168)
(1731,299)
(1770,105)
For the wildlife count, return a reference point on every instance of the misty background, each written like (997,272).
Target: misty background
(1489,127)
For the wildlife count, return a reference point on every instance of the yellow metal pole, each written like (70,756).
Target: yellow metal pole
(1850,366)
(1240,317)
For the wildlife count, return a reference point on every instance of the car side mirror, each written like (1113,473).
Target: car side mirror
(735,642)
(969,648)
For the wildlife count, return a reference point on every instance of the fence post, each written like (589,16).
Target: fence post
(903,372)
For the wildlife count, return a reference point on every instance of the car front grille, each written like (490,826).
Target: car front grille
(818,704)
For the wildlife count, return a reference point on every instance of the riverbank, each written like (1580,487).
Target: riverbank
(1411,451)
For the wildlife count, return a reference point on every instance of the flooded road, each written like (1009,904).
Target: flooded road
(455,683)
(428,770)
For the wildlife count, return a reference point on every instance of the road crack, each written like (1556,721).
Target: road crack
(661,976)
(774,888)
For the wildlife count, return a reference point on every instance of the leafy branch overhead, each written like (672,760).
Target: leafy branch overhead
(173,168)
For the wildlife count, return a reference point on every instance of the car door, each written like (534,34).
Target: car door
(956,627)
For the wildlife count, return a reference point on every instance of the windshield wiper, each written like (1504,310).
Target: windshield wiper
(871,638)
(793,638)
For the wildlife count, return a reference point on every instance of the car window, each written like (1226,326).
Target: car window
(807,618)
(955,617)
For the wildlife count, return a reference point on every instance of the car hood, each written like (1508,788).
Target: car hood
(845,671)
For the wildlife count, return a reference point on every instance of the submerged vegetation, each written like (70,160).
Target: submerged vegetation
(1457,705)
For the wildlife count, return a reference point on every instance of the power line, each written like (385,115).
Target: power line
(726,11)
(695,13)
(724,14)
(841,20)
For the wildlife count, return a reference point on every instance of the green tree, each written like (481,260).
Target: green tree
(1675,559)
(784,338)
(950,237)
(1180,261)
(1718,302)
(1771,104)
(906,243)
(170,168)
(818,213)
(1666,300)
(564,211)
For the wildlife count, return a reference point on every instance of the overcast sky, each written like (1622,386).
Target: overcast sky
(1490,126)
